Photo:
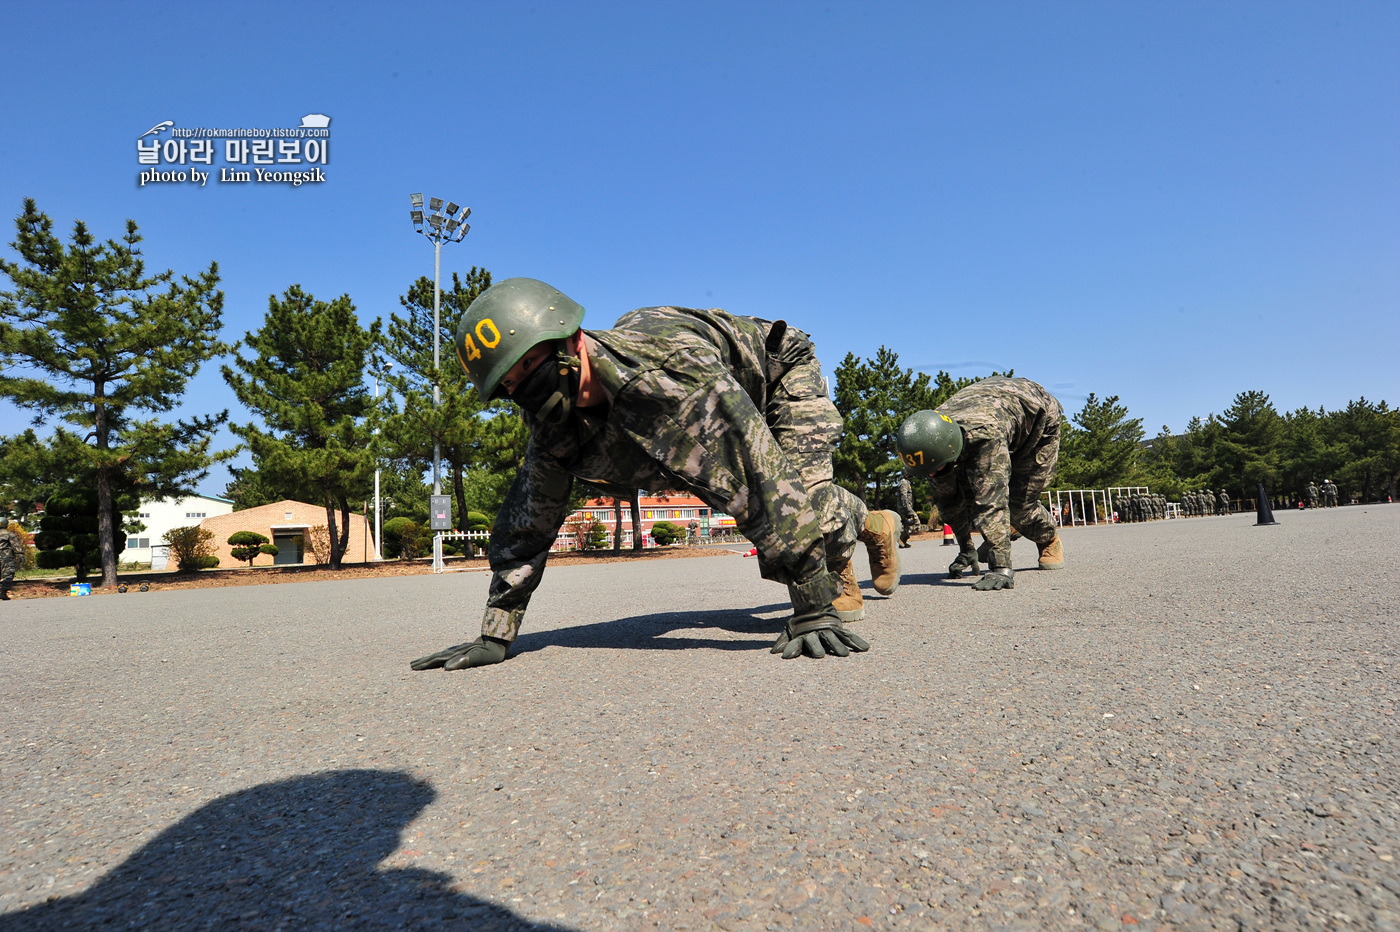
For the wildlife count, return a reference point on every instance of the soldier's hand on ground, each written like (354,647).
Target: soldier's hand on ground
(478,653)
(818,634)
(996,579)
(964,563)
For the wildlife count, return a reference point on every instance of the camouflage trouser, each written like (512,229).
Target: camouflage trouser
(807,427)
(904,505)
(7,569)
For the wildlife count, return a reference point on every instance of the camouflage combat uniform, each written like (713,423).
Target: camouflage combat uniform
(904,504)
(1011,446)
(1312,495)
(1224,502)
(11,550)
(732,409)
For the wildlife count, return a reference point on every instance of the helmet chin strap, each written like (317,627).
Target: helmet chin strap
(563,397)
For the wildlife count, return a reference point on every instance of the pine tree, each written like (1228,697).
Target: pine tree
(109,341)
(481,443)
(306,383)
(1102,447)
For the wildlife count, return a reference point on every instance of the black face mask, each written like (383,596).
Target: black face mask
(548,391)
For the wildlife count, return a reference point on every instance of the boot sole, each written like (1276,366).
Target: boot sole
(857,614)
(1052,566)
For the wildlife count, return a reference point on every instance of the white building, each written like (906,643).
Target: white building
(162,514)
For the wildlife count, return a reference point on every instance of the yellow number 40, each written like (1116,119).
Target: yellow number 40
(490,341)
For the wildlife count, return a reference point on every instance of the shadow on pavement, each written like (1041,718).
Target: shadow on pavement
(650,632)
(297,854)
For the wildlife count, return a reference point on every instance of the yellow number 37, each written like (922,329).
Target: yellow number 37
(909,459)
(491,341)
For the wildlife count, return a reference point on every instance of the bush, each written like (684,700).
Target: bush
(402,538)
(476,521)
(667,533)
(192,547)
(248,544)
(318,543)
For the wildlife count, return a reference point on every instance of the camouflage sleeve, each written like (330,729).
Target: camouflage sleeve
(525,529)
(986,466)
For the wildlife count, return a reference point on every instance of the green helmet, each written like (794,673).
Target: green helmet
(506,320)
(928,441)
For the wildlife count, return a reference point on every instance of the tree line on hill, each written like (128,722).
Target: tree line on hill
(101,350)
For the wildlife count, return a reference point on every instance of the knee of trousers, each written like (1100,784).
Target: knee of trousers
(841,516)
(1033,522)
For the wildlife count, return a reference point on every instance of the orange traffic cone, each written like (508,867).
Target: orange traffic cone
(948,538)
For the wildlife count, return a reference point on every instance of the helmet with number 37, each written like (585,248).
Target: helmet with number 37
(928,441)
(505,321)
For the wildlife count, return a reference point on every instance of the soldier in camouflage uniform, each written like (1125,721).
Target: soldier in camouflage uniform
(989,451)
(1224,501)
(1312,494)
(732,409)
(908,515)
(11,552)
(1329,493)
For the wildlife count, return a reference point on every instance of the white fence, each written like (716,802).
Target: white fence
(1079,507)
(440,536)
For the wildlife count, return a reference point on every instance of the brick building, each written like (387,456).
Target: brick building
(287,524)
(676,507)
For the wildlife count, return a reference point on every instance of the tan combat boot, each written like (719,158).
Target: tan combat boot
(881,539)
(1052,555)
(850,604)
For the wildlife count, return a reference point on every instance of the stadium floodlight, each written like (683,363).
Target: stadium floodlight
(439,229)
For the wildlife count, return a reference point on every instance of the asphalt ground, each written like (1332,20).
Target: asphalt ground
(1192,726)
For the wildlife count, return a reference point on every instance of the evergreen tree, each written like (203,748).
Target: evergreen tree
(481,444)
(109,341)
(29,474)
(306,383)
(1100,447)
(1246,450)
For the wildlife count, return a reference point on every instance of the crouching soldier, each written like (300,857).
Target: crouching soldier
(732,409)
(989,451)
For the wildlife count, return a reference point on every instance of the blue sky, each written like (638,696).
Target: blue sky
(1169,202)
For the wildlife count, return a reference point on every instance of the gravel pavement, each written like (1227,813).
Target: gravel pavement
(1192,726)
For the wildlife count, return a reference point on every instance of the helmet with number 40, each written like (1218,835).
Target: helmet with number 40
(928,441)
(505,321)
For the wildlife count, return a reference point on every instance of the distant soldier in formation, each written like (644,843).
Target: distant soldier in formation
(1329,493)
(11,552)
(904,507)
(1312,494)
(1224,502)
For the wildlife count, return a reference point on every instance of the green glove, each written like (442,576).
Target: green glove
(478,653)
(996,579)
(964,562)
(818,633)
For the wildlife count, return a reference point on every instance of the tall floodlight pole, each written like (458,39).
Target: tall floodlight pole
(439,229)
(378,535)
